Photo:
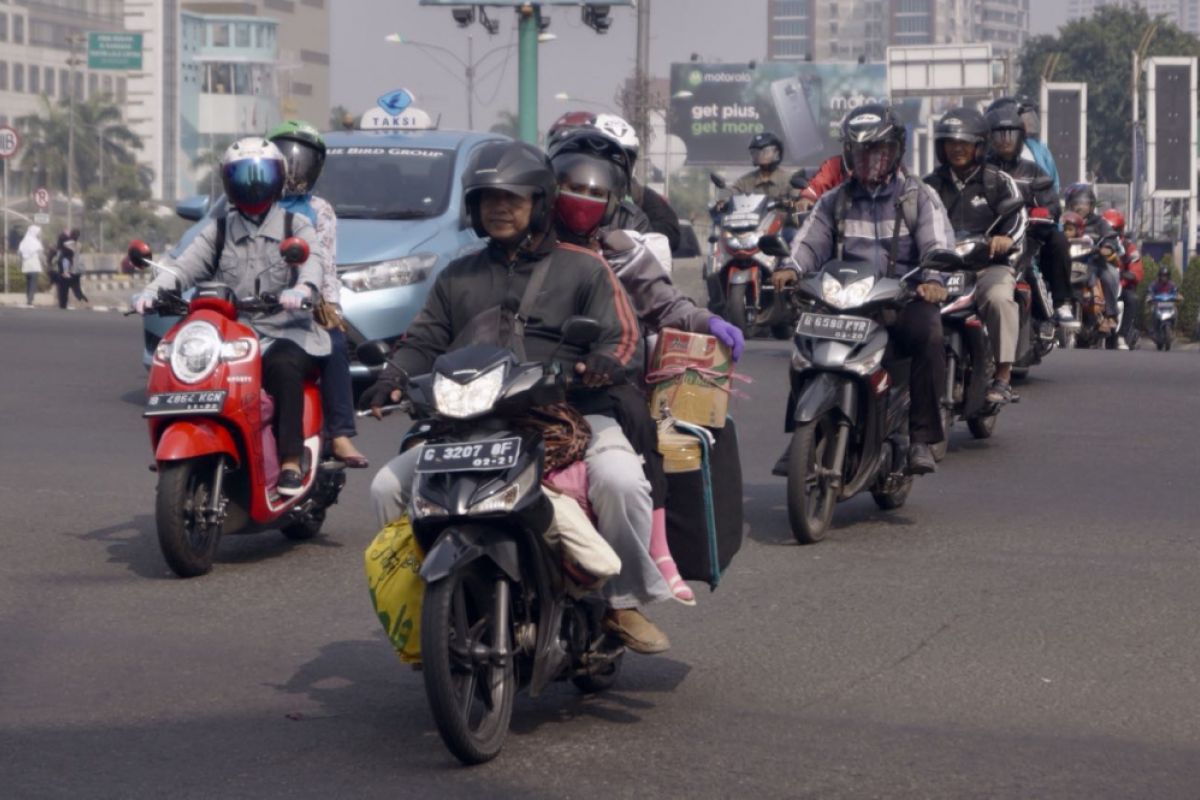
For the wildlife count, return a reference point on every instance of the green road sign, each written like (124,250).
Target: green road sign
(115,51)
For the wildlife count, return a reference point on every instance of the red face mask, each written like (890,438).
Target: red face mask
(581,214)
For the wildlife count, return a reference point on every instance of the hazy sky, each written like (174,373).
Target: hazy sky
(579,62)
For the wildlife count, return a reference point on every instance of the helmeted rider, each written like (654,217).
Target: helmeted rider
(766,154)
(1032,147)
(589,168)
(870,211)
(1006,147)
(657,209)
(509,192)
(304,150)
(1131,275)
(972,191)
(253,173)
(1081,198)
(1163,284)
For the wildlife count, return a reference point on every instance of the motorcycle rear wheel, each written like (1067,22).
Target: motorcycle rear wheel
(810,500)
(890,501)
(458,620)
(188,543)
(306,528)
(982,427)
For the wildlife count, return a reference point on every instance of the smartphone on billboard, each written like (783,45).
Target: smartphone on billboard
(802,136)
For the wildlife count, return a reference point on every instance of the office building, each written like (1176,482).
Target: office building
(1183,13)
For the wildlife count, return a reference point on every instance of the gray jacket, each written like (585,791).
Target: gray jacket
(252,251)
(657,302)
(870,219)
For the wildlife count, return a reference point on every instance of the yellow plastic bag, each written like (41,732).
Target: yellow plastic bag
(393,564)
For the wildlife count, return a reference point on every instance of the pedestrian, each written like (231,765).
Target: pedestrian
(31,250)
(64,268)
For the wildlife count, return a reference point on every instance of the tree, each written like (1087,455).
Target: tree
(207,166)
(508,124)
(1097,51)
(337,116)
(101,140)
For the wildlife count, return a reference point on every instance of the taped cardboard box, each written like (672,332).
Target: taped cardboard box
(690,373)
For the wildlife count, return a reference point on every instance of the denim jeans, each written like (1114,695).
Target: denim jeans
(337,395)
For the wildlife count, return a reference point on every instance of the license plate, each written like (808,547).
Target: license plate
(486,456)
(168,403)
(827,326)
(956,282)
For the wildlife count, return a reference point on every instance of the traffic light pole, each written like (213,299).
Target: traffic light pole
(527,84)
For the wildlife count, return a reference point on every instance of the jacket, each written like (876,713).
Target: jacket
(1040,154)
(971,204)
(870,220)
(321,214)
(657,302)
(578,283)
(830,175)
(774,186)
(31,250)
(252,251)
(1024,171)
(1131,262)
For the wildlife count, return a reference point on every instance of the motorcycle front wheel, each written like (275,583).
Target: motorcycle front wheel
(735,306)
(471,697)
(811,496)
(188,542)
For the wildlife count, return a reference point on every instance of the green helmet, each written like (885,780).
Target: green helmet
(304,150)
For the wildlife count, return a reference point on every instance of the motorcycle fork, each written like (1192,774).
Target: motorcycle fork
(501,649)
(214,513)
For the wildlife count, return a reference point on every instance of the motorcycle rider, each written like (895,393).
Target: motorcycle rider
(831,174)
(245,245)
(589,168)
(509,191)
(1131,275)
(304,149)
(891,220)
(662,216)
(1034,149)
(766,154)
(1081,198)
(1164,285)
(1054,251)
(971,191)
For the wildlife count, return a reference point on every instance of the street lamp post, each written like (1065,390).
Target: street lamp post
(73,41)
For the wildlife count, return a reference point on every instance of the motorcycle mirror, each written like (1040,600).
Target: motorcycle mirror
(139,254)
(942,260)
(373,353)
(581,331)
(1042,183)
(798,180)
(294,250)
(1010,206)
(717,180)
(772,245)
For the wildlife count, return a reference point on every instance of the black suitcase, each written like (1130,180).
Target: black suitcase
(704,507)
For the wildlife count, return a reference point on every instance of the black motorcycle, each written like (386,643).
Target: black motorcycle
(497,616)
(847,414)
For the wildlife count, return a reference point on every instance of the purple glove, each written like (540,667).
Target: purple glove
(729,334)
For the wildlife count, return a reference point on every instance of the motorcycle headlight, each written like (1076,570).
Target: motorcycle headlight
(463,400)
(386,274)
(163,352)
(850,296)
(507,498)
(196,350)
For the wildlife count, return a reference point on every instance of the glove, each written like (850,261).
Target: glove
(729,334)
(600,369)
(294,299)
(784,277)
(932,292)
(387,390)
(143,301)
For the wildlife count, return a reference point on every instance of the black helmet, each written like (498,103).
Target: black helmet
(1005,123)
(514,167)
(593,159)
(1079,194)
(760,143)
(1001,102)
(868,125)
(962,125)
(1164,273)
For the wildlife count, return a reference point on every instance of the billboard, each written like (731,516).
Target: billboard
(716,108)
(1064,119)
(1170,126)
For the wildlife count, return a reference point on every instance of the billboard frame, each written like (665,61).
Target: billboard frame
(1152,126)
(1044,99)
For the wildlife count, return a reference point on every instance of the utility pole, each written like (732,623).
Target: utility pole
(527,80)
(73,42)
(641,122)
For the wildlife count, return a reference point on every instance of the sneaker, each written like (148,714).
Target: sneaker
(920,459)
(290,483)
(1122,344)
(1064,314)
(1108,325)
(999,393)
(635,631)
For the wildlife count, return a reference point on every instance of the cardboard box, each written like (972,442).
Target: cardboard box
(691,375)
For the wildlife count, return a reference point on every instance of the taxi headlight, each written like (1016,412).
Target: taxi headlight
(387,274)
(463,400)
(196,350)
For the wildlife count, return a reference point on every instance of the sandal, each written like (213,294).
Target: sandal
(679,588)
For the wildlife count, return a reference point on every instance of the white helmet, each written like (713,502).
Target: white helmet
(620,130)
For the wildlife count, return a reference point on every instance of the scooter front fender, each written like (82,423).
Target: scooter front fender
(458,546)
(190,438)
(825,392)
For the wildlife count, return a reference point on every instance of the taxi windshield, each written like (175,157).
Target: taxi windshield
(387,182)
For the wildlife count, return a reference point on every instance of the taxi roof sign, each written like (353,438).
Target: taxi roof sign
(411,119)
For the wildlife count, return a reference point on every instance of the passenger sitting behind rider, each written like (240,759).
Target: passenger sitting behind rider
(253,173)
(509,191)
(1081,198)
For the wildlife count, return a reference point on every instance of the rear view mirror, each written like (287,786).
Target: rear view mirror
(294,250)
(942,261)
(581,331)
(799,180)
(772,245)
(139,254)
(192,209)
(1010,206)
(717,180)
(373,353)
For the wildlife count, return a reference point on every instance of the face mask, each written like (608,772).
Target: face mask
(580,214)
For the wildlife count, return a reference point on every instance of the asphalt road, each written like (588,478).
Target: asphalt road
(1025,627)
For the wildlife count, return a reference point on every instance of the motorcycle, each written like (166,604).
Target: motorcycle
(210,426)
(1037,336)
(1165,309)
(497,615)
(847,414)
(739,272)
(1087,298)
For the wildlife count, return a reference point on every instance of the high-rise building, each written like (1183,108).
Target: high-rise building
(849,30)
(1183,13)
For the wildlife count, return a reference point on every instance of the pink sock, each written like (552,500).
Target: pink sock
(661,553)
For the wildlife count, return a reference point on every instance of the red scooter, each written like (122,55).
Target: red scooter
(210,426)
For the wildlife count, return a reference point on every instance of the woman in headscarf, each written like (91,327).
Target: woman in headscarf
(31,250)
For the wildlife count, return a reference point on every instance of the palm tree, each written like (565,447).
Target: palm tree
(101,141)
(206,166)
